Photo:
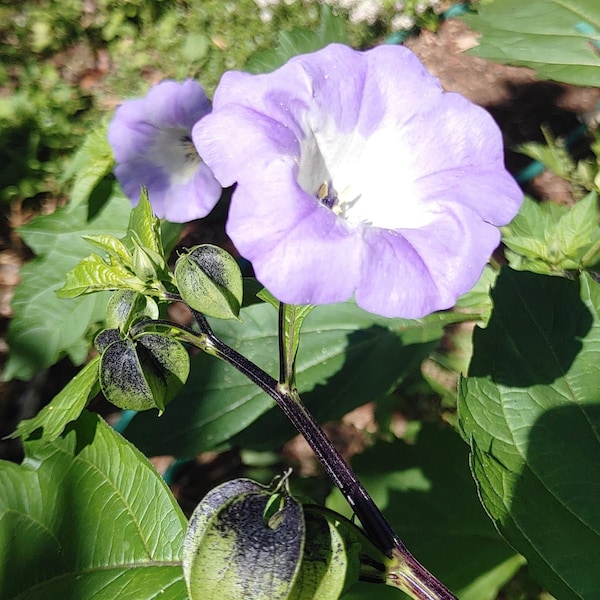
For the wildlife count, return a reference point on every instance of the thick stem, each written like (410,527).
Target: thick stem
(406,572)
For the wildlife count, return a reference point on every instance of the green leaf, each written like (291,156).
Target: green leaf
(531,410)
(94,274)
(90,165)
(550,239)
(293,318)
(332,29)
(427,493)
(44,327)
(112,246)
(210,281)
(559,39)
(144,227)
(87,516)
(65,407)
(347,357)
(232,548)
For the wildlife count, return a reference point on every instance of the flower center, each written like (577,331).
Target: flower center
(176,153)
(329,198)
(368,181)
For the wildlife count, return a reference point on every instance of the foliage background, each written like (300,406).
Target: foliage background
(66,65)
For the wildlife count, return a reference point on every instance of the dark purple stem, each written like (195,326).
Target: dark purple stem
(410,575)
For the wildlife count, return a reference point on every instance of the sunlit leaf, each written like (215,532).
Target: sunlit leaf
(94,274)
(145,225)
(112,246)
(531,410)
(550,238)
(87,516)
(90,165)
(559,39)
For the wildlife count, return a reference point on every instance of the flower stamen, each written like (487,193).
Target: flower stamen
(190,152)
(327,196)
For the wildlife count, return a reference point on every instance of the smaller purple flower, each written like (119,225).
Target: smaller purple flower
(358,175)
(152,146)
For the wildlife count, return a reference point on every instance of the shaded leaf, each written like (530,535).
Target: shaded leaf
(65,407)
(87,516)
(347,357)
(44,327)
(559,39)
(427,493)
(531,410)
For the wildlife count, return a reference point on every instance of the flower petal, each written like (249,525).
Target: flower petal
(151,141)
(357,174)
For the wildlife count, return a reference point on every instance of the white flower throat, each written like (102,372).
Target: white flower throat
(368,181)
(175,151)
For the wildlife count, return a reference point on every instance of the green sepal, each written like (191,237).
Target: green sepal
(210,281)
(231,546)
(65,407)
(143,373)
(336,554)
(126,306)
(274,547)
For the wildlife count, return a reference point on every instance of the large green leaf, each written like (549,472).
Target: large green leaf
(531,410)
(347,357)
(87,516)
(560,39)
(45,327)
(428,495)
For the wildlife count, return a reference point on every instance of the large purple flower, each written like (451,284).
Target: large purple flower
(358,175)
(152,145)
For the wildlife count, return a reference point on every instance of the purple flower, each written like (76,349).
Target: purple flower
(358,175)
(152,145)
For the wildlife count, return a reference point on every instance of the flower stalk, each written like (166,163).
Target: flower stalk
(405,572)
